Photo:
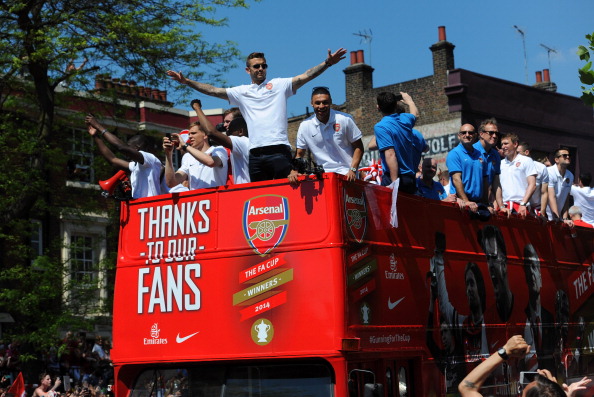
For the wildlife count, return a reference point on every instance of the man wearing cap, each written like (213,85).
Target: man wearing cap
(331,136)
(263,104)
(236,140)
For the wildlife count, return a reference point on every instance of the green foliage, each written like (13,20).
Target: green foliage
(137,39)
(587,72)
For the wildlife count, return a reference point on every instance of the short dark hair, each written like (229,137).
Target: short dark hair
(492,231)
(386,101)
(321,91)
(545,387)
(484,123)
(586,178)
(560,149)
(238,123)
(254,55)
(480,282)
(142,141)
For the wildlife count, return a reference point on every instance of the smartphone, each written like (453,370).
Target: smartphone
(527,377)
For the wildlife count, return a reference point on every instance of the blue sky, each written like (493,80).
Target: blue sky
(295,35)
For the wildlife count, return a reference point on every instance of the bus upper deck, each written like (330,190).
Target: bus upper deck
(251,289)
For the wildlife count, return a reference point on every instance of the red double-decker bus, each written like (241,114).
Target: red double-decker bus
(265,289)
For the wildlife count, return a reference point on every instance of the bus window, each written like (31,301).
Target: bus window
(402,382)
(389,381)
(236,380)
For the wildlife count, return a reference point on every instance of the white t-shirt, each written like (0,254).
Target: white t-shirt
(264,108)
(330,143)
(542,177)
(562,186)
(202,176)
(240,156)
(146,178)
(514,177)
(583,197)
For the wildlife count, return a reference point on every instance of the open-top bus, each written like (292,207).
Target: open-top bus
(266,289)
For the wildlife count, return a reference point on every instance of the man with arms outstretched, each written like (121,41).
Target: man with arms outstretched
(263,104)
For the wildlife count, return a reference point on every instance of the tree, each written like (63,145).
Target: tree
(41,40)
(43,45)
(587,72)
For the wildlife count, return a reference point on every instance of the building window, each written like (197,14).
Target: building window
(82,260)
(84,251)
(80,164)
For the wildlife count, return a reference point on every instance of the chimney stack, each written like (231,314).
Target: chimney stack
(443,55)
(543,81)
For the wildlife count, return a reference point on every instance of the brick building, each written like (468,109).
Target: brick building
(79,227)
(452,96)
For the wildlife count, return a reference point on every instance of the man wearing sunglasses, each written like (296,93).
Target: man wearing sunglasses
(560,181)
(468,171)
(488,135)
(263,104)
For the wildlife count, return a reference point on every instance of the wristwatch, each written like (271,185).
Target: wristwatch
(502,353)
(523,204)
(353,169)
(185,146)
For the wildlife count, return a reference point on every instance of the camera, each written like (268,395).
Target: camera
(221,127)
(303,167)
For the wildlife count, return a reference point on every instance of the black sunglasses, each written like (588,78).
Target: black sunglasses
(258,65)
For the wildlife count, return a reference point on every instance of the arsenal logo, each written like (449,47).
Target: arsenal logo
(355,211)
(269,86)
(336,127)
(265,222)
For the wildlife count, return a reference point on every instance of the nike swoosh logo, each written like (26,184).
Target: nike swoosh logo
(392,305)
(178,339)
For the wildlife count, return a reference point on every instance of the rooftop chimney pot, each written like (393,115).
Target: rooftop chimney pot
(441,33)
(353,57)
(547,76)
(360,56)
(539,77)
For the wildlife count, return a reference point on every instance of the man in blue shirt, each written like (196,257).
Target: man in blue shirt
(468,171)
(395,140)
(426,186)
(488,132)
